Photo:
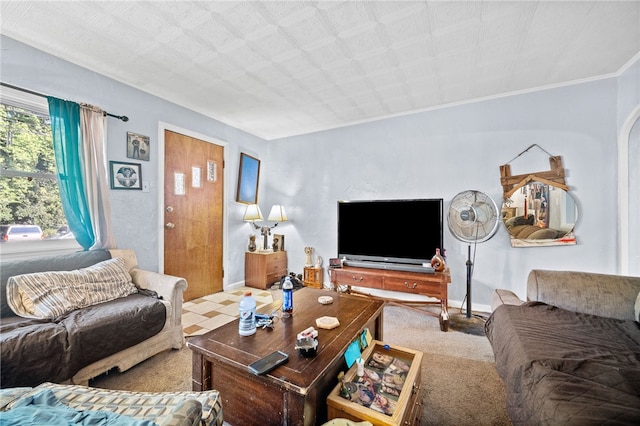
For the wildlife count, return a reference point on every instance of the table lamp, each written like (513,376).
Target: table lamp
(277,215)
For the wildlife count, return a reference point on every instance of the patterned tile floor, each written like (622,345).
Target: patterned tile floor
(209,312)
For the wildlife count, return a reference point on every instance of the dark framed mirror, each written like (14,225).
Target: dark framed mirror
(248,178)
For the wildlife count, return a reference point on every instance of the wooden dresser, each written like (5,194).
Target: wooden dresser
(262,269)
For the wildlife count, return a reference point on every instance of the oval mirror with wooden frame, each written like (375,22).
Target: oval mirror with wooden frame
(538,214)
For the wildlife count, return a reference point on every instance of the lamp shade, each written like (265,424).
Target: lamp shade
(277,214)
(252,213)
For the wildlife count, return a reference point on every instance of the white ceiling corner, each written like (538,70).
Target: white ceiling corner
(282,68)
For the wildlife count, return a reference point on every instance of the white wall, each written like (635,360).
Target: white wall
(445,151)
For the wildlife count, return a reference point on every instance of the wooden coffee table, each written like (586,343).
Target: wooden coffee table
(294,393)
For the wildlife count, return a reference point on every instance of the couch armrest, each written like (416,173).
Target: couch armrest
(504,297)
(611,296)
(169,287)
(188,412)
(129,256)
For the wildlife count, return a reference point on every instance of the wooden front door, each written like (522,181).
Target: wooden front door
(193,222)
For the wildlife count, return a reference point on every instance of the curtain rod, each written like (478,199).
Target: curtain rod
(31,92)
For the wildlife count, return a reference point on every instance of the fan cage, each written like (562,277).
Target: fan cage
(472,217)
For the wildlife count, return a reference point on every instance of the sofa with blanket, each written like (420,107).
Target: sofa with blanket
(51,403)
(570,354)
(69,318)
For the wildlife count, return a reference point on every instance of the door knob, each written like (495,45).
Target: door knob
(170,225)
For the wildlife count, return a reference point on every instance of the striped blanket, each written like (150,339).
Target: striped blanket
(48,295)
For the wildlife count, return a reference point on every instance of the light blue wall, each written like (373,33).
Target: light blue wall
(443,152)
(431,154)
(134,213)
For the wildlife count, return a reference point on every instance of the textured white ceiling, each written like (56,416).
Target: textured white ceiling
(276,69)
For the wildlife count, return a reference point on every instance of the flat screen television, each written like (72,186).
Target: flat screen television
(396,231)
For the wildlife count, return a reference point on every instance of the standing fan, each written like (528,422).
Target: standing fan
(472,218)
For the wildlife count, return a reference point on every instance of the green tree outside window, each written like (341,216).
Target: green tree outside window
(29,191)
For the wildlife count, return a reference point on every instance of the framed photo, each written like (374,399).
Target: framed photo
(248,178)
(138,146)
(125,175)
(278,242)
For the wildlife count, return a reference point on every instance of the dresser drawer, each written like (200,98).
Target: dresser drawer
(344,277)
(276,266)
(408,285)
(276,258)
(274,277)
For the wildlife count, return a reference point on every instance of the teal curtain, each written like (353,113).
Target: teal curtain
(67,146)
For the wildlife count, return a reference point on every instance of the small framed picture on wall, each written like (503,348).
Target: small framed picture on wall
(125,175)
(138,146)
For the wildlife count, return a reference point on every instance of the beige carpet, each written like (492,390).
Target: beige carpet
(461,386)
(460,381)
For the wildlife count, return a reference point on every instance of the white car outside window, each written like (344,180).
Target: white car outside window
(21,233)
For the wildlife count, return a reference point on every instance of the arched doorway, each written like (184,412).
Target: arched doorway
(629,194)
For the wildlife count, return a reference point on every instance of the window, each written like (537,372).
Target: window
(29,193)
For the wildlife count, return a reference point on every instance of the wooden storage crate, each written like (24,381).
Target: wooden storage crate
(408,407)
(313,277)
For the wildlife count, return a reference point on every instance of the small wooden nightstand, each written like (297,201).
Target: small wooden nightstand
(263,269)
(313,277)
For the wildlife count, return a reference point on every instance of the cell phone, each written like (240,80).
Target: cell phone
(268,363)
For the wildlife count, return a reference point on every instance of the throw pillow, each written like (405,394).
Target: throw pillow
(51,294)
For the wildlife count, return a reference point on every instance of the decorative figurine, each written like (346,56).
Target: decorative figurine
(318,262)
(437,262)
(308,251)
(252,243)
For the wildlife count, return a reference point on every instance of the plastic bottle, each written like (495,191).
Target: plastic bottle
(287,298)
(247,325)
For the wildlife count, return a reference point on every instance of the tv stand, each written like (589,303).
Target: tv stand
(433,285)
(407,267)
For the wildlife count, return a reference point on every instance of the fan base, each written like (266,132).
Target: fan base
(473,325)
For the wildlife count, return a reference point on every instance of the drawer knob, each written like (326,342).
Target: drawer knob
(357,279)
(414,285)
